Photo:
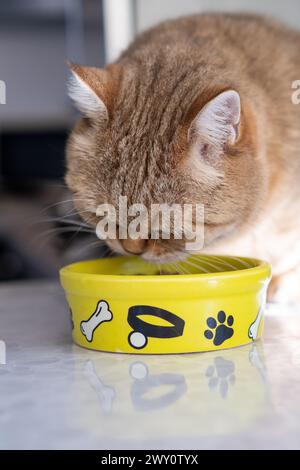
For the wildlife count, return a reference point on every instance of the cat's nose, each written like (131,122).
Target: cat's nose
(135,247)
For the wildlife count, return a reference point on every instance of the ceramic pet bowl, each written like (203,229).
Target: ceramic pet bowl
(123,304)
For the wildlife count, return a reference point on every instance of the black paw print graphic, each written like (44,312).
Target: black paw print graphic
(219,330)
(221,375)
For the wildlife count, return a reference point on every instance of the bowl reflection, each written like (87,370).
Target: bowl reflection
(188,395)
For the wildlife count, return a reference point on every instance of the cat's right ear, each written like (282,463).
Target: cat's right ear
(217,123)
(88,87)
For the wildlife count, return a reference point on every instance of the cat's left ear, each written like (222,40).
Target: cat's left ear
(218,121)
(90,89)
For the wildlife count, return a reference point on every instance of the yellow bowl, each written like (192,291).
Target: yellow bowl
(123,305)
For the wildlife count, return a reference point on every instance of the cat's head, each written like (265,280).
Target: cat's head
(157,137)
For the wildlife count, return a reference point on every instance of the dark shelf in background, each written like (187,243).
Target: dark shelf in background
(32,155)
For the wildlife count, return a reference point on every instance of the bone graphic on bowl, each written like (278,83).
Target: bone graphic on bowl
(254,327)
(101,314)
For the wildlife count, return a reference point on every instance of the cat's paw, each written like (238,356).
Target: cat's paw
(219,329)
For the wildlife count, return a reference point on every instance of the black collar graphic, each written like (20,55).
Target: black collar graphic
(155,331)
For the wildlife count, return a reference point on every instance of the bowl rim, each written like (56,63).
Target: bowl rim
(261,268)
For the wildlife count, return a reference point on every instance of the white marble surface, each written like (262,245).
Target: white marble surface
(54,395)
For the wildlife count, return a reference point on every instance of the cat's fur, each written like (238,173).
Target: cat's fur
(145,134)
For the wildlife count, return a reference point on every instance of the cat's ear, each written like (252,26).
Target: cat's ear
(88,87)
(217,124)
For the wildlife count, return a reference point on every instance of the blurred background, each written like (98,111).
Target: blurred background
(39,228)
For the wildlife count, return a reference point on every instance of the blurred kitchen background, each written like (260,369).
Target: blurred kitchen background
(37,234)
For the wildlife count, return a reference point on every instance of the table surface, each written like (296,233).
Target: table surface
(55,395)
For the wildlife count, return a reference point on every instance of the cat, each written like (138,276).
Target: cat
(198,110)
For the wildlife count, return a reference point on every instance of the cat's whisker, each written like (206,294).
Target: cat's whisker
(152,251)
(178,267)
(60,203)
(222,261)
(58,230)
(197,266)
(107,251)
(90,245)
(74,212)
(65,221)
(79,230)
(218,262)
(49,184)
(183,270)
(215,265)
(159,267)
